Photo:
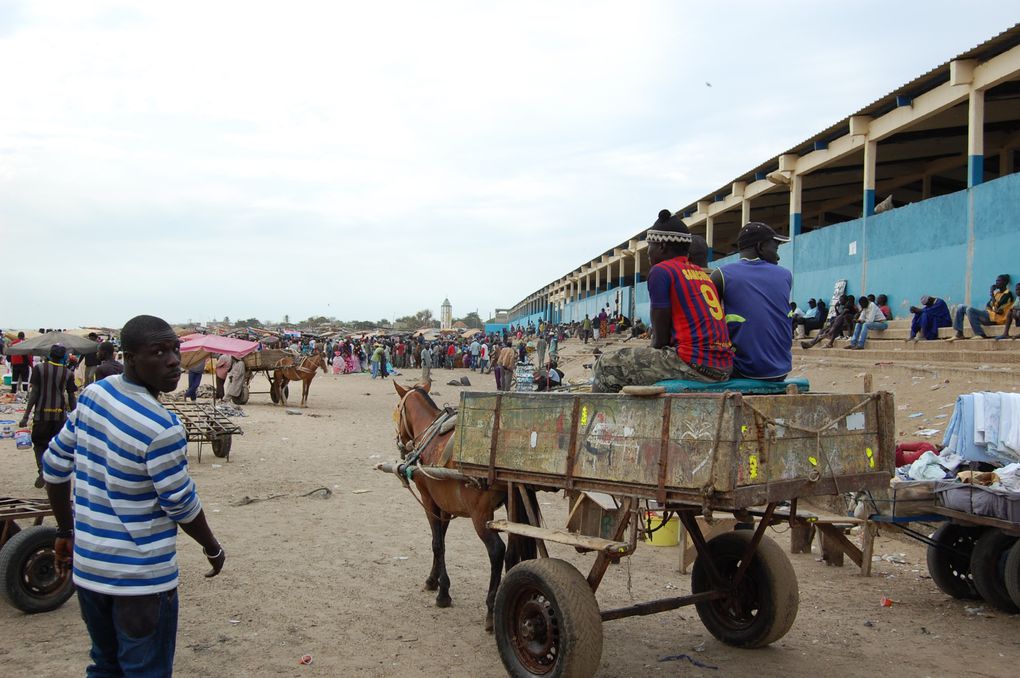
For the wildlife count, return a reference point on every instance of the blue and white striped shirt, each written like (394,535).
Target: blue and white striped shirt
(131,487)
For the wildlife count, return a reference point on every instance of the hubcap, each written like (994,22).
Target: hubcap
(536,631)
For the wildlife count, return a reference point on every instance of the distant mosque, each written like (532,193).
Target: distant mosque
(446,315)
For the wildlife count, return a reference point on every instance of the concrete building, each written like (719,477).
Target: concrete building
(446,315)
(916,193)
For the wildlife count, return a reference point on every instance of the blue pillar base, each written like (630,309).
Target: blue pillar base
(795,223)
(975,170)
(869,202)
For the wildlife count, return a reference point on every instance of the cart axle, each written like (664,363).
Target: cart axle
(663,605)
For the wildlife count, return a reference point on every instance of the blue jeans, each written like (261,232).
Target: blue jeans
(194,381)
(977,318)
(132,636)
(861,332)
(375,369)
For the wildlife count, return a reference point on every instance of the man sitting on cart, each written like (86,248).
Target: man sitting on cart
(689,335)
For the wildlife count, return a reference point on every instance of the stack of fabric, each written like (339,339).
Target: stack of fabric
(985,427)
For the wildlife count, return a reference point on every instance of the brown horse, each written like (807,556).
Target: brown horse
(303,372)
(444,499)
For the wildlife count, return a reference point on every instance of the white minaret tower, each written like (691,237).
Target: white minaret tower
(446,315)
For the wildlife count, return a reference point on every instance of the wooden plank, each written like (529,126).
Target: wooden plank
(560,537)
(835,534)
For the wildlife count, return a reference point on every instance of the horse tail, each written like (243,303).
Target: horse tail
(520,548)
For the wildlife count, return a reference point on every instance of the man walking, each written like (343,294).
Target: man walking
(52,397)
(508,361)
(91,361)
(426,364)
(540,346)
(20,366)
(127,453)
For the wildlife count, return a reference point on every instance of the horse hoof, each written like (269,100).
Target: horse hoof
(488,624)
(444,602)
(431,585)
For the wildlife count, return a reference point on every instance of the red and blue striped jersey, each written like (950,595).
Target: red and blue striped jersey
(699,326)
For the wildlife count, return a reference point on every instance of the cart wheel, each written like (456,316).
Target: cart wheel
(221,446)
(28,577)
(949,560)
(762,607)
(272,394)
(1012,573)
(547,621)
(243,398)
(988,567)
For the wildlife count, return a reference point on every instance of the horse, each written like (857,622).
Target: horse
(446,499)
(303,372)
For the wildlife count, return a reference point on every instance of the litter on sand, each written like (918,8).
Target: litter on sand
(688,658)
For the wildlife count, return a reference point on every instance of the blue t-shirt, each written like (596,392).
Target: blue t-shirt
(756,296)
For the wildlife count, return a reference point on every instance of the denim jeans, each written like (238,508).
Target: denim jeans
(375,369)
(861,332)
(194,381)
(132,636)
(976,316)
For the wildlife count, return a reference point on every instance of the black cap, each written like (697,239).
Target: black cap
(755,232)
(57,352)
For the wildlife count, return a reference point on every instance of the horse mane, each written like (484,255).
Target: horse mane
(426,395)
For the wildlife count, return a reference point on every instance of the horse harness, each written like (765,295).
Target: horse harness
(410,451)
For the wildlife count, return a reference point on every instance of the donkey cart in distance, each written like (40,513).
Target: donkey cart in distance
(685,454)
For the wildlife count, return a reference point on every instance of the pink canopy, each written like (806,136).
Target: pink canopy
(212,343)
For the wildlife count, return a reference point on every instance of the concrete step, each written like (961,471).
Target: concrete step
(990,378)
(969,344)
(902,332)
(924,352)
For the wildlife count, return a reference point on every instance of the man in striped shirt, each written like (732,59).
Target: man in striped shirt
(131,492)
(52,397)
(689,335)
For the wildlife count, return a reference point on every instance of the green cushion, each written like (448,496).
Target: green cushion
(753,386)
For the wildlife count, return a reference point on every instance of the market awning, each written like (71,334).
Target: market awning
(200,348)
(40,345)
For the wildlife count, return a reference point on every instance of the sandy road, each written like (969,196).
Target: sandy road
(340,578)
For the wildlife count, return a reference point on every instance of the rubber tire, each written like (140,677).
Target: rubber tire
(579,650)
(951,572)
(773,583)
(1012,573)
(221,446)
(243,398)
(987,566)
(13,559)
(272,395)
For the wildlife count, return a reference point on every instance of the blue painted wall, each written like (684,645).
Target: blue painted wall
(907,252)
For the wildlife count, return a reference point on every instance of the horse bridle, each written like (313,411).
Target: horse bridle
(405,447)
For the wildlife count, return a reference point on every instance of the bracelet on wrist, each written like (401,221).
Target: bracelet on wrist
(65,534)
(214,555)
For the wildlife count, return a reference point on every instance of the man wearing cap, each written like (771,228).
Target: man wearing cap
(689,337)
(756,295)
(933,314)
(52,397)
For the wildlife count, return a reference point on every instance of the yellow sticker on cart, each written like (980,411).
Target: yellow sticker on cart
(752,464)
(743,428)
(871,457)
(584,416)
(814,462)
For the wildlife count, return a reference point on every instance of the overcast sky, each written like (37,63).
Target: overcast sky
(364,160)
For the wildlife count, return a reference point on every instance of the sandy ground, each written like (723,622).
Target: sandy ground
(341,577)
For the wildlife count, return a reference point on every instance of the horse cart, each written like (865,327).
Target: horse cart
(682,454)
(264,362)
(203,423)
(28,574)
